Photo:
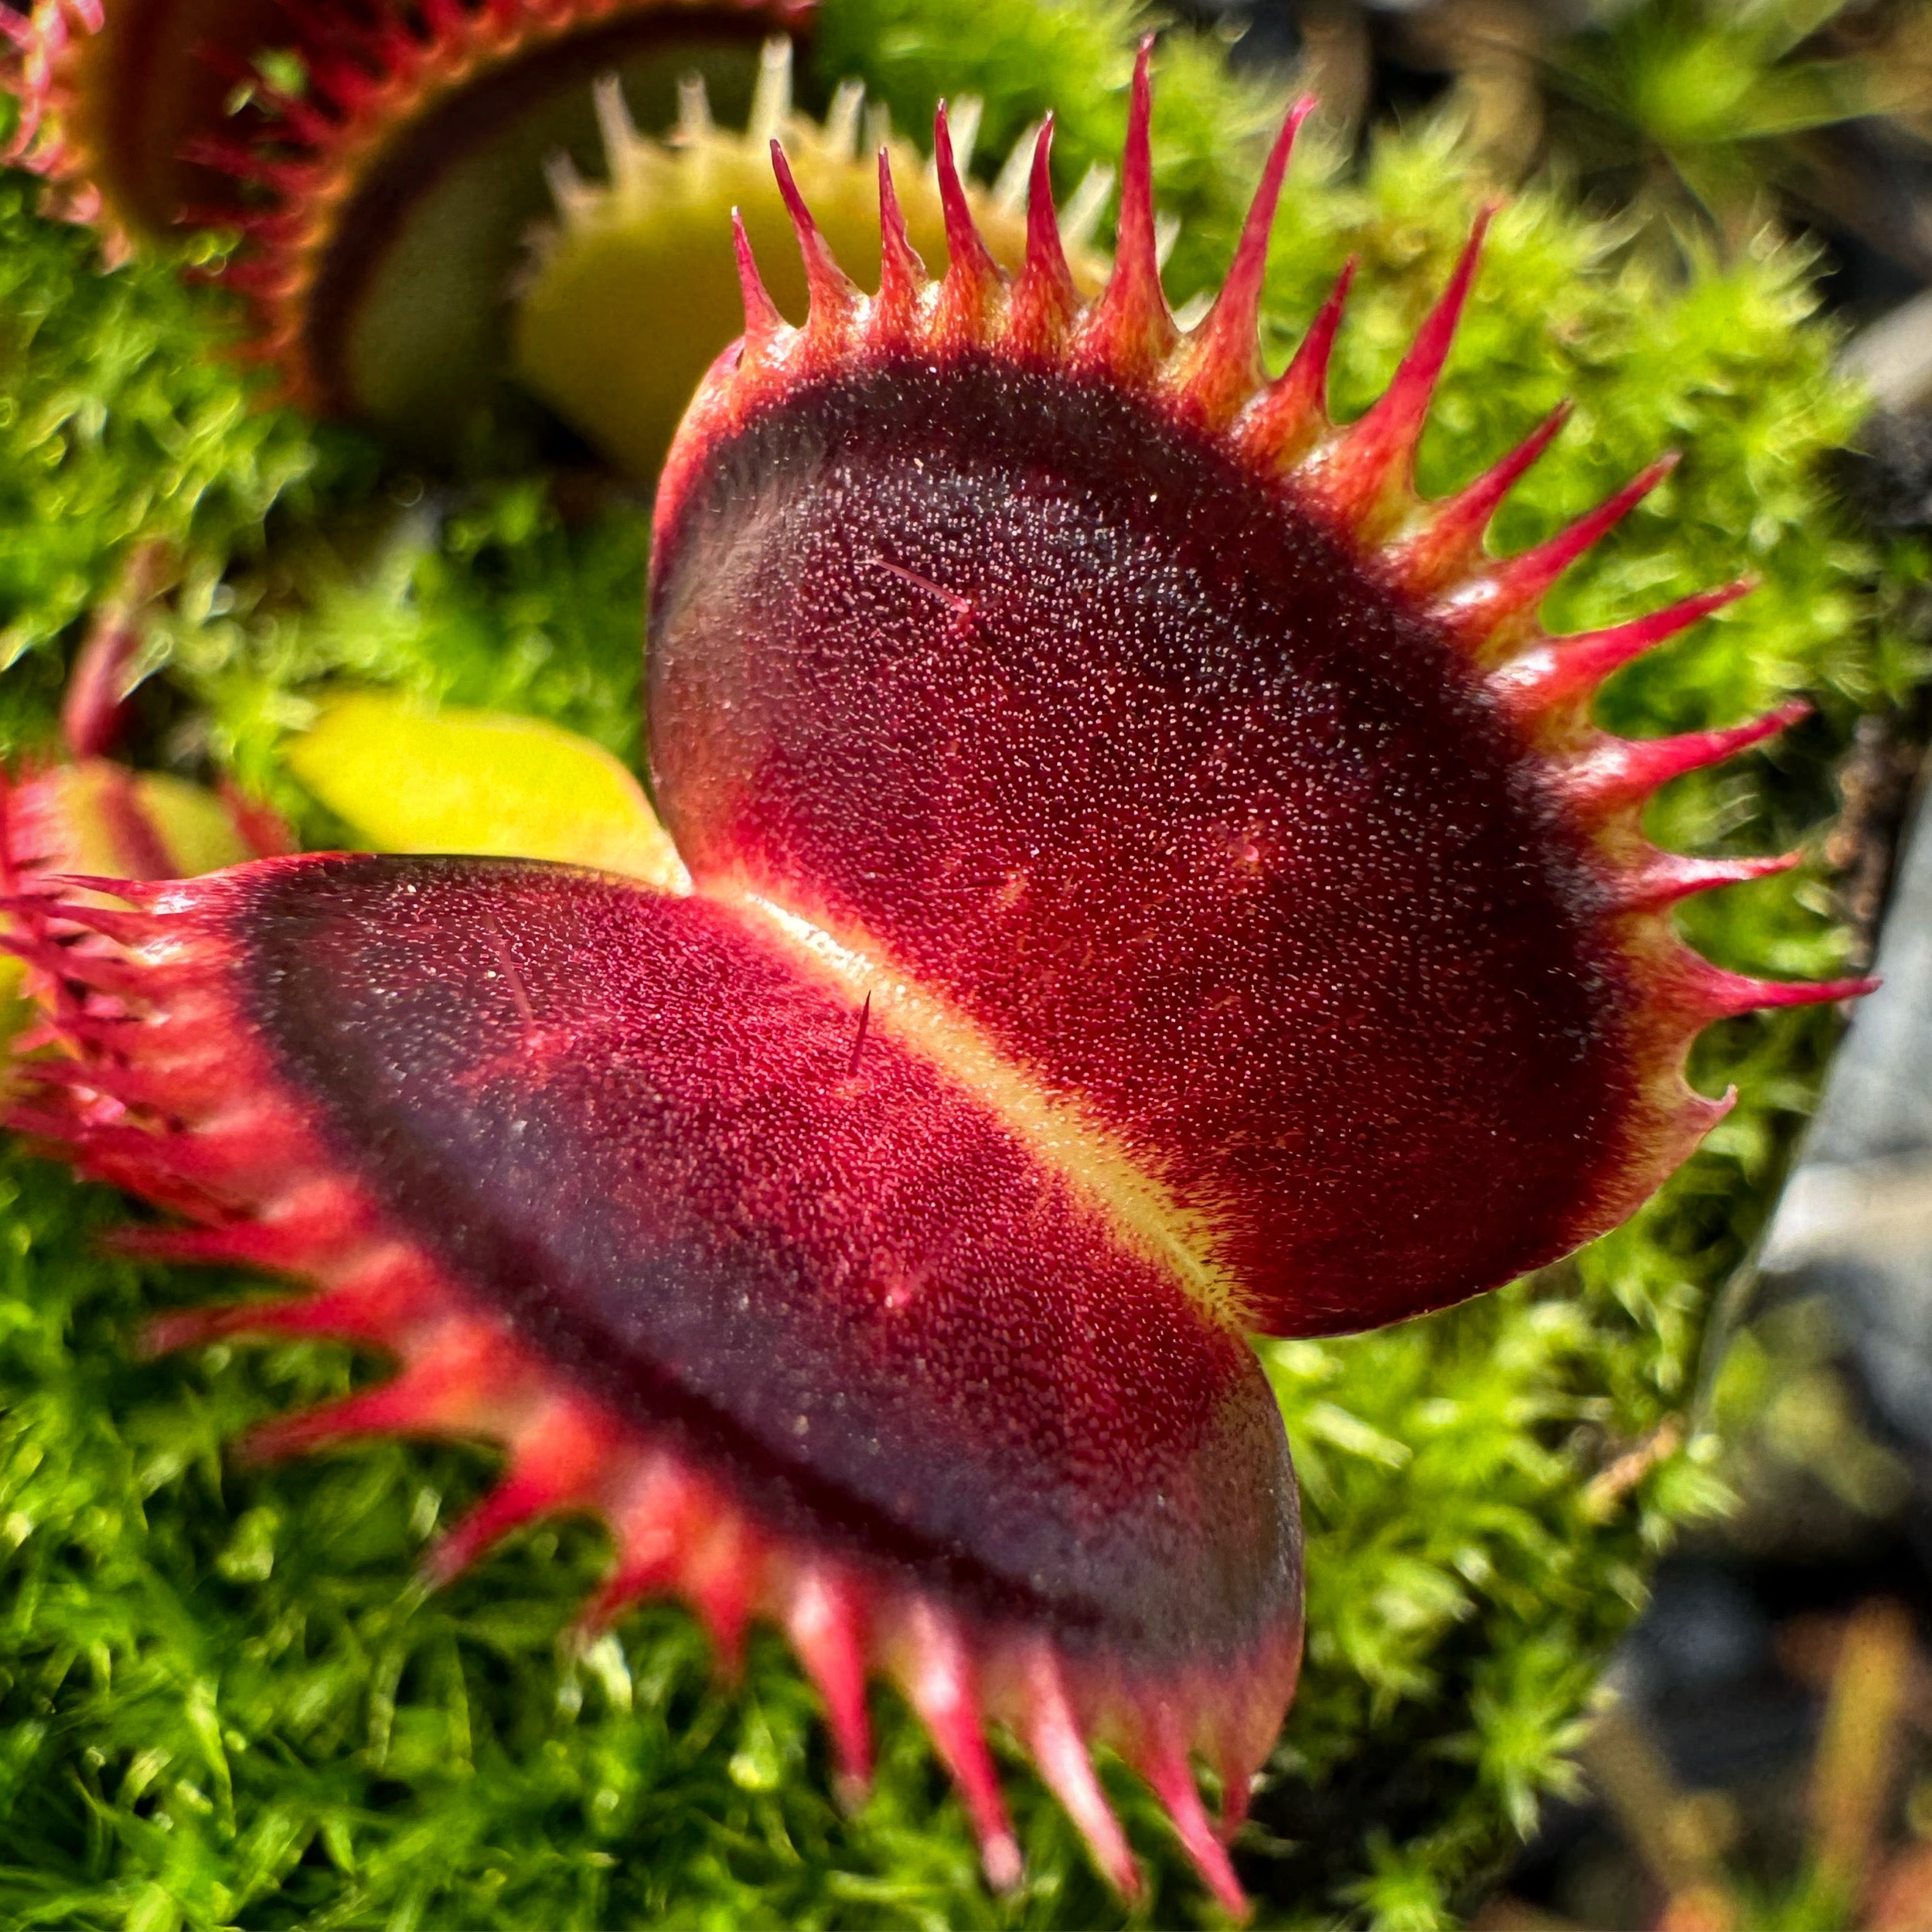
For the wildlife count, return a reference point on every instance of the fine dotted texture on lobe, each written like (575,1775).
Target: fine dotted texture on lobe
(1003,676)
(627,1121)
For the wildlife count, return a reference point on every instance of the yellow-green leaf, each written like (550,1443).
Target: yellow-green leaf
(485,782)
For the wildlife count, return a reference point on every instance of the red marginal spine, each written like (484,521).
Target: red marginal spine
(896,311)
(1670,876)
(942,1689)
(1282,422)
(827,1623)
(1562,673)
(1450,539)
(1045,300)
(1163,1762)
(1366,469)
(972,276)
(762,321)
(1130,331)
(556,1465)
(1224,361)
(1510,591)
(834,298)
(1053,1737)
(1619,773)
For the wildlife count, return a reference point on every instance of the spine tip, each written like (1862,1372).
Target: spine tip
(1132,328)
(834,298)
(971,272)
(762,320)
(1360,477)
(1226,356)
(902,273)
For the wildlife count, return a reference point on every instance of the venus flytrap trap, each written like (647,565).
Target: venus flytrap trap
(379,170)
(649,221)
(262,1054)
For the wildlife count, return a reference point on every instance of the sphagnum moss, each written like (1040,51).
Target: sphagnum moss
(223,1699)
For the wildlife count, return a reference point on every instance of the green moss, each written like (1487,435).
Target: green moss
(493,600)
(222,1700)
(124,415)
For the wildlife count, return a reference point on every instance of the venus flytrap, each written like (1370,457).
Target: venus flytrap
(1449,1535)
